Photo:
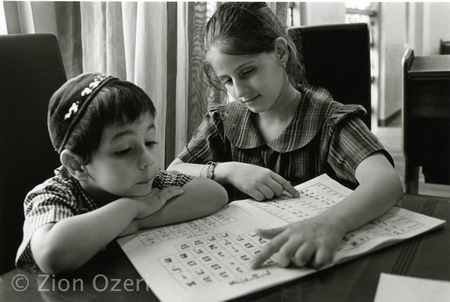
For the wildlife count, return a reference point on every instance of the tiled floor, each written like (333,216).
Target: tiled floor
(391,138)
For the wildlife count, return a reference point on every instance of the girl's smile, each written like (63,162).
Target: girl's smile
(249,101)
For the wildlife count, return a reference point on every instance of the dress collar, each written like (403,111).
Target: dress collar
(308,120)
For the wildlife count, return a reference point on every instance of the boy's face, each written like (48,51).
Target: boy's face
(124,164)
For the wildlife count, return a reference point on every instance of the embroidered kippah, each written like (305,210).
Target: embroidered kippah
(68,105)
(86,91)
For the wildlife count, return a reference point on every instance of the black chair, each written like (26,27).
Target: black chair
(337,58)
(426,119)
(31,70)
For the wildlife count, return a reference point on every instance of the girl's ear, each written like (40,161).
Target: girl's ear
(282,49)
(74,164)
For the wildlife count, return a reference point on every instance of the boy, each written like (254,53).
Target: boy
(109,184)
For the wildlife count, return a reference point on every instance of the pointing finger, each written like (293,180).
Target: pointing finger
(286,185)
(269,249)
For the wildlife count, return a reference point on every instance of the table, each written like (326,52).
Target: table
(110,276)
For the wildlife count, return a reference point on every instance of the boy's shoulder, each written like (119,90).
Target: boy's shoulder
(59,193)
(171,178)
(60,184)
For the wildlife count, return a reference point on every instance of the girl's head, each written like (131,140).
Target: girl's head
(85,105)
(246,28)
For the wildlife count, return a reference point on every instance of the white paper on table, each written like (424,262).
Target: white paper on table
(207,259)
(411,289)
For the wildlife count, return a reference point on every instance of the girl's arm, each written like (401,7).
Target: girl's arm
(71,242)
(315,240)
(379,189)
(258,182)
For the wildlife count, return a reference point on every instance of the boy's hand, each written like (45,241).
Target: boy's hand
(154,201)
(258,182)
(303,243)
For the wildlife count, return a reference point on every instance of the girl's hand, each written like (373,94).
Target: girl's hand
(154,201)
(303,243)
(258,182)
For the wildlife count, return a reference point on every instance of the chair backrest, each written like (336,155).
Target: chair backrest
(337,58)
(31,70)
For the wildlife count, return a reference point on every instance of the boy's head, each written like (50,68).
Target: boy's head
(80,110)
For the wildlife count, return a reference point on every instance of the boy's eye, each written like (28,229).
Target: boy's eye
(122,152)
(150,143)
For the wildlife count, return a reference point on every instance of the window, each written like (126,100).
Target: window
(3,29)
(367,12)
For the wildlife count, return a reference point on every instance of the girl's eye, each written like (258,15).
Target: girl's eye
(247,72)
(122,152)
(227,81)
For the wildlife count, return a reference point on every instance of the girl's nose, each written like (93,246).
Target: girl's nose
(240,89)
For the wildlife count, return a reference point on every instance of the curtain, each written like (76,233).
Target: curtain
(156,45)
(126,39)
(129,40)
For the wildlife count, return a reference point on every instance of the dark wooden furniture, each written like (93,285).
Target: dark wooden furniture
(111,277)
(337,58)
(444,47)
(31,70)
(426,119)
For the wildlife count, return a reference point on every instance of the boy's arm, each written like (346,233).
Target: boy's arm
(71,242)
(201,197)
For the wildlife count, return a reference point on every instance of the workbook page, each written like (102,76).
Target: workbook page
(208,259)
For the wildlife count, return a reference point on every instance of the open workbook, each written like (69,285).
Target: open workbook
(208,259)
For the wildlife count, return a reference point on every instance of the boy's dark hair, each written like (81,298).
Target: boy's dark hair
(239,28)
(121,102)
(108,102)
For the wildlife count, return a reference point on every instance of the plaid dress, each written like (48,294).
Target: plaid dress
(61,197)
(324,137)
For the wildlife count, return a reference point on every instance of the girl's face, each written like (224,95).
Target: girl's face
(258,80)
(124,164)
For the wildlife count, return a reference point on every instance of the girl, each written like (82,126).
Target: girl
(279,130)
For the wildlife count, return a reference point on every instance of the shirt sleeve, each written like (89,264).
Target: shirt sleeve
(207,142)
(350,142)
(171,178)
(44,204)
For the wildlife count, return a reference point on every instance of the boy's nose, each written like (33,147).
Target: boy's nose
(146,159)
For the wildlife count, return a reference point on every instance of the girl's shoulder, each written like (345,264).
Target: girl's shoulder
(228,115)
(319,101)
(318,98)
(231,108)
